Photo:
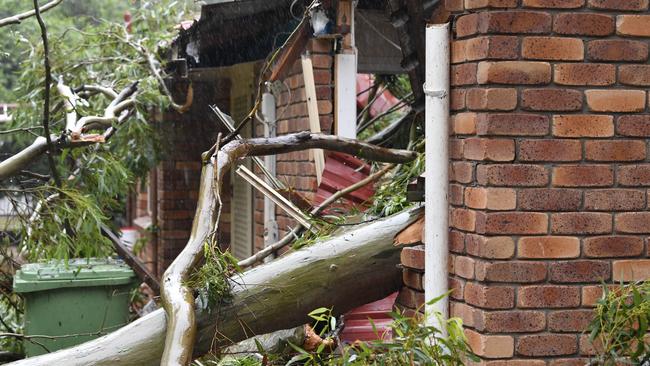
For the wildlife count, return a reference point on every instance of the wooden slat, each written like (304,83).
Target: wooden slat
(312,110)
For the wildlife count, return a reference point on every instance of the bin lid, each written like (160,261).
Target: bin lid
(78,273)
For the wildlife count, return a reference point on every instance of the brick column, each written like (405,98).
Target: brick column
(549,169)
(297,169)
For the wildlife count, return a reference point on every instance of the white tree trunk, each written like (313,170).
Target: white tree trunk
(350,269)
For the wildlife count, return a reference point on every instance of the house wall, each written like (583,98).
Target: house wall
(297,169)
(183,137)
(549,170)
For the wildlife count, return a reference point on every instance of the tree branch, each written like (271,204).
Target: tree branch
(19,161)
(177,298)
(259,256)
(46,101)
(16,19)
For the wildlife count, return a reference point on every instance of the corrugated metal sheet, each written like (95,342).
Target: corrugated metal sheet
(341,171)
(358,326)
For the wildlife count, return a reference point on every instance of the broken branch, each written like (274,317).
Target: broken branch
(16,19)
(176,297)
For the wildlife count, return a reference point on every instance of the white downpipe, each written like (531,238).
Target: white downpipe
(270,225)
(436,236)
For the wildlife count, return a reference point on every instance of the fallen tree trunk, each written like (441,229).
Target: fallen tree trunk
(348,270)
(176,297)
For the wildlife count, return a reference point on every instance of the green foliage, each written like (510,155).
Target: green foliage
(66,226)
(89,45)
(619,328)
(390,197)
(212,278)
(412,343)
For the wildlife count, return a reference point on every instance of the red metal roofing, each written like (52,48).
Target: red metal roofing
(358,326)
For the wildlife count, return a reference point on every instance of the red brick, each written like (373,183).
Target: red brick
(579,271)
(514,72)
(551,100)
(583,125)
(499,99)
(463,74)
(587,347)
(583,176)
(550,150)
(613,246)
(413,257)
(489,297)
(542,247)
(489,149)
(584,24)
(456,194)
(501,199)
(615,150)
(550,199)
(634,125)
(569,362)
(634,175)
(581,223)
(558,4)
(614,200)
(633,25)
(512,223)
(464,123)
(548,296)
(591,294)
(569,320)
(511,271)
(512,124)
(490,346)
(633,222)
(467,25)
(490,198)
(455,149)
(457,288)
(454,5)
(547,345)
(512,175)
(514,22)
(526,362)
(410,298)
(491,47)
(632,5)
(463,219)
(616,100)
(463,311)
(510,321)
(456,242)
(464,267)
(631,270)
(617,50)
(478,4)
(462,172)
(496,247)
(412,279)
(457,99)
(638,75)
(552,48)
(584,74)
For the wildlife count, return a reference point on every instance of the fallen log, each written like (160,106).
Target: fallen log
(343,272)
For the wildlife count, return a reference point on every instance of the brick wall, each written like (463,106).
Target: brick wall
(549,169)
(297,169)
(184,138)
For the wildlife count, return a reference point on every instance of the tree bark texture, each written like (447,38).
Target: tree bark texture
(343,272)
